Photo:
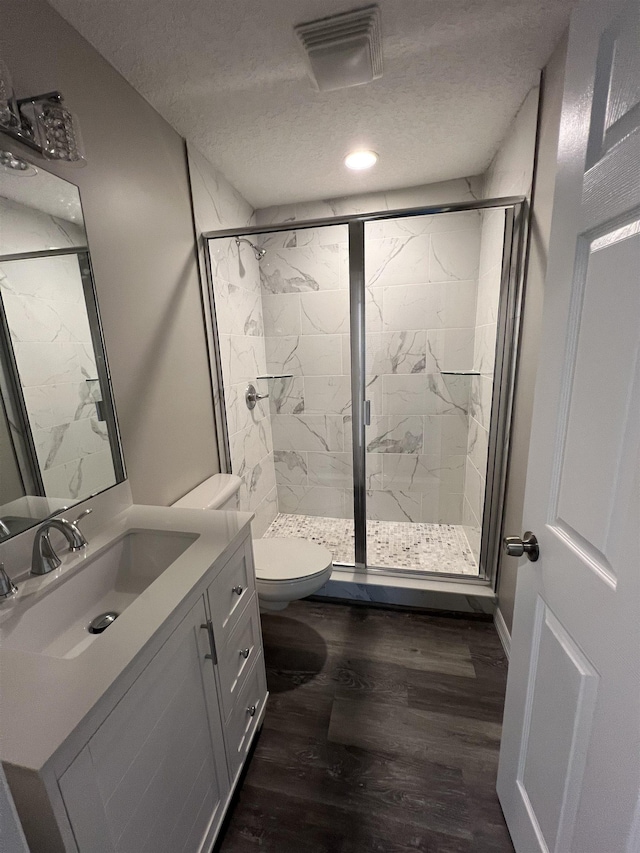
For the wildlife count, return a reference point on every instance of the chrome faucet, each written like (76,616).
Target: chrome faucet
(44,558)
(7,586)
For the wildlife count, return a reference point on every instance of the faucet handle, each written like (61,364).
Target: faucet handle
(7,586)
(82,542)
(83,514)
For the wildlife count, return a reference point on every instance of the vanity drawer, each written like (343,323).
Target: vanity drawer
(245,716)
(230,592)
(238,654)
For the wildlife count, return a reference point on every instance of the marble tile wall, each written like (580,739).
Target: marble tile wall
(238,307)
(481,386)
(421,308)
(218,205)
(305,296)
(46,312)
(421,277)
(462,189)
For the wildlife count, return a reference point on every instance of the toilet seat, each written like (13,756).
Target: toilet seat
(281,560)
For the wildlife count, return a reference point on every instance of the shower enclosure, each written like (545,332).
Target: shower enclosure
(382,350)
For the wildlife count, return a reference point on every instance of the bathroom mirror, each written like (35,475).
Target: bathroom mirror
(59,439)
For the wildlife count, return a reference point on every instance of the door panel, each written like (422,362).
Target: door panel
(569,776)
(562,692)
(602,355)
(432,289)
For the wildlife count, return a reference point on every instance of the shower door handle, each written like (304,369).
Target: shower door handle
(367,413)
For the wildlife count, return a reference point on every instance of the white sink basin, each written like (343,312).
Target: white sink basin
(57,624)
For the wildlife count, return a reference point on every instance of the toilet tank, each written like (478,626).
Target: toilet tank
(218,492)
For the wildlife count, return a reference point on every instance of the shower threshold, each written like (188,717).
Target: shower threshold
(409,546)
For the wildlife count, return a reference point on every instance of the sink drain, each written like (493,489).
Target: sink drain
(102,622)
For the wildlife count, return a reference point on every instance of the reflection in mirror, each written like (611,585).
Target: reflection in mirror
(58,433)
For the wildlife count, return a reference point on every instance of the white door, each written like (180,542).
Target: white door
(569,775)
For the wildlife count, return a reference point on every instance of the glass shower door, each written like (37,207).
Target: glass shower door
(421,363)
(383,353)
(305,297)
(281,307)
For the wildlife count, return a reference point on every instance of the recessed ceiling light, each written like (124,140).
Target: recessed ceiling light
(360,160)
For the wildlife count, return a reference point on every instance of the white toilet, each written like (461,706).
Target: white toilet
(286,569)
(289,569)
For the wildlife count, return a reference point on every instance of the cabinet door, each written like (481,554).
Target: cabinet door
(153,778)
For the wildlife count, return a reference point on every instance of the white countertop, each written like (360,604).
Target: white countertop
(46,702)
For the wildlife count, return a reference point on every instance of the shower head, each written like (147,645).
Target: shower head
(259,253)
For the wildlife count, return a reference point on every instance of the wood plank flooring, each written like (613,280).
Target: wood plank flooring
(381,734)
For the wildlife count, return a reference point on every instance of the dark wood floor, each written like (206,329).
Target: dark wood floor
(382,734)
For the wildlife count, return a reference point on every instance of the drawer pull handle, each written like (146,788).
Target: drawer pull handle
(208,626)
(245,653)
(251,711)
(238,590)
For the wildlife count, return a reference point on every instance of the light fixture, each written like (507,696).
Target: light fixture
(359,160)
(16,165)
(41,122)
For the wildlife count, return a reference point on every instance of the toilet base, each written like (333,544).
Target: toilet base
(271,606)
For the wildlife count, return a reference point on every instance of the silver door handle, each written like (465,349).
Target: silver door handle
(367,413)
(514,546)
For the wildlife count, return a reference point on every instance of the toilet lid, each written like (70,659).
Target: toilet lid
(289,559)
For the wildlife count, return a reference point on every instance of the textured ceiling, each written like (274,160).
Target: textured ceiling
(229,76)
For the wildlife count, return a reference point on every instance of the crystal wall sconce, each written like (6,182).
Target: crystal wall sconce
(41,122)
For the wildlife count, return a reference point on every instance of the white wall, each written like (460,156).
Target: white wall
(515,151)
(137,209)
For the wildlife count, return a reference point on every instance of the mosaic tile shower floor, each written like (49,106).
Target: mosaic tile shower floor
(390,544)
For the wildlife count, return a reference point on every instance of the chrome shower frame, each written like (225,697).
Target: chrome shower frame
(507,348)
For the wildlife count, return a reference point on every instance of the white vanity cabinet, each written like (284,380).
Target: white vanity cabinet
(154,773)
(158,773)
(242,685)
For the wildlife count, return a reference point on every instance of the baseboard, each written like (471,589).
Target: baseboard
(503,631)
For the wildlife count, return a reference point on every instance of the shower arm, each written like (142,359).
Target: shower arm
(259,253)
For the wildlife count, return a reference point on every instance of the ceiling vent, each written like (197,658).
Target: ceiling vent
(343,50)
